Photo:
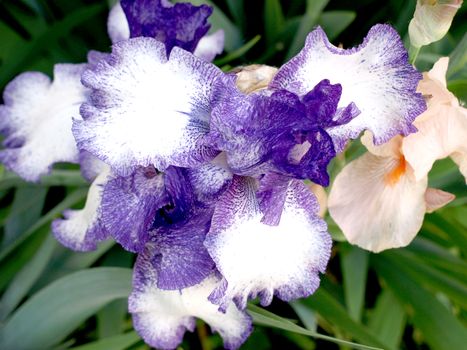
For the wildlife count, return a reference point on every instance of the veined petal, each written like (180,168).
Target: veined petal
(91,166)
(180,24)
(81,230)
(162,317)
(376,76)
(261,260)
(377,202)
(36,120)
(210,46)
(117,24)
(129,206)
(146,109)
(178,254)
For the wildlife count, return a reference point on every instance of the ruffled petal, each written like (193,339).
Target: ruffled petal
(36,120)
(81,230)
(442,129)
(377,202)
(210,46)
(162,317)
(117,24)
(261,260)
(146,109)
(178,254)
(180,24)
(376,76)
(130,204)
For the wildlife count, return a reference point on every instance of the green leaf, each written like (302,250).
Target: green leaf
(25,210)
(26,52)
(117,342)
(427,276)
(306,315)
(51,314)
(458,60)
(335,22)
(354,265)
(56,178)
(308,21)
(236,8)
(388,319)
(237,53)
(219,20)
(273,20)
(24,280)
(69,201)
(332,311)
(439,327)
(266,318)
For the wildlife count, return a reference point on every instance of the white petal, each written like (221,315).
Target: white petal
(37,117)
(210,46)
(82,229)
(377,202)
(146,109)
(161,317)
(436,199)
(117,24)
(261,260)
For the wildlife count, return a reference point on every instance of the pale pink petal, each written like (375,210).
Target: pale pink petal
(392,148)
(377,202)
(436,199)
(441,133)
(460,158)
(321,196)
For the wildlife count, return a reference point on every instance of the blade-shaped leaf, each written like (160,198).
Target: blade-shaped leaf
(51,314)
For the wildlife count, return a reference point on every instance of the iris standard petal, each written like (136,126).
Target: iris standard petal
(376,76)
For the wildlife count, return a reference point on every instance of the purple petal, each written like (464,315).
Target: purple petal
(36,120)
(208,182)
(258,260)
(181,24)
(376,76)
(81,230)
(147,110)
(178,254)
(129,206)
(274,130)
(162,317)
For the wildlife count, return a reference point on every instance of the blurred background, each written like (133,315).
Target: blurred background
(410,298)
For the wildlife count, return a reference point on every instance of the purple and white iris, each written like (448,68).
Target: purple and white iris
(198,171)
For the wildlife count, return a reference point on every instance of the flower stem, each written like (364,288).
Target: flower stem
(413,54)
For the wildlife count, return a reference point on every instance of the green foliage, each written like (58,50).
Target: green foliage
(409,298)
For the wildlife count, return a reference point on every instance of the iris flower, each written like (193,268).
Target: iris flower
(379,200)
(200,172)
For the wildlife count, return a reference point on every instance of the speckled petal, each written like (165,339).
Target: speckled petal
(81,230)
(129,206)
(261,260)
(36,120)
(162,317)
(178,254)
(146,109)
(376,76)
